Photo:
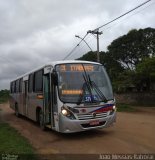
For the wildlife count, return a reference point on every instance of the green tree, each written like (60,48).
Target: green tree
(90,56)
(112,66)
(133,47)
(127,59)
(4,95)
(145,73)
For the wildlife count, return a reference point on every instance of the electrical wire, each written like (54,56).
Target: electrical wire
(115,24)
(122,15)
(75,47)
(106,25)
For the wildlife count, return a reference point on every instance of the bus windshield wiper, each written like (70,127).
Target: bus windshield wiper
(85,86)
(97,90)
(90,85)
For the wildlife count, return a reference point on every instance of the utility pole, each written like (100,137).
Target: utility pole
(97,33)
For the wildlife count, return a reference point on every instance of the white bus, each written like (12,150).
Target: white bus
(66,96)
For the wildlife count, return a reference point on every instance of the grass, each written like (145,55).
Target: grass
(121,107)
(12,143)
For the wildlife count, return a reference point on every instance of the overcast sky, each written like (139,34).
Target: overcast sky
(34,32)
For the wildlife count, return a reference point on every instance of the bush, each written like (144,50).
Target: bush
(4,96)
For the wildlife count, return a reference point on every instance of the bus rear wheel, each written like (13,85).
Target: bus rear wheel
(41,120)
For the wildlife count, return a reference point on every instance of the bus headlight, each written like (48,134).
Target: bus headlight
(114,108)
(112,111)
(64,112)
(67,113)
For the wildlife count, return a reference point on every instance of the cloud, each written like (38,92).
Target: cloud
(34,32)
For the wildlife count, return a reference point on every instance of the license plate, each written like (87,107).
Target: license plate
(93,123)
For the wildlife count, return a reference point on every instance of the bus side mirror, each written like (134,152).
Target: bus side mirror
(55,78)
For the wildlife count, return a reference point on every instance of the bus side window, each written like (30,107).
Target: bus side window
(14,87)
(11,87)
(17,86)
(20,85)
(30,83)
(38,81)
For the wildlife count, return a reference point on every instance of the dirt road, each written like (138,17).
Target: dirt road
(133,133)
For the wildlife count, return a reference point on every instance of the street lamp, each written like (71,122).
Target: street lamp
(84,41)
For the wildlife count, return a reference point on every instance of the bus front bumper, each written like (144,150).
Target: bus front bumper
(69,126)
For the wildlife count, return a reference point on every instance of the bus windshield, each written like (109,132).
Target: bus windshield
(83,83)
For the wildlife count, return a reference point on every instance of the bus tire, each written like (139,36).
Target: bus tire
(17,111)
(41,120)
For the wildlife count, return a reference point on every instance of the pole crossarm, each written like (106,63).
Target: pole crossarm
(96,31)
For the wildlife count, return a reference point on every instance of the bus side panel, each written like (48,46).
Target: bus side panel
(12,101)
(33,103)
(20,103)
(16,99)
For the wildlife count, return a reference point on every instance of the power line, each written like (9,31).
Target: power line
(84,41)
(122,15)
(75,47)
(115,24)
(96,29)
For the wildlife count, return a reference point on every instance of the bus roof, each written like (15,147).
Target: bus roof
(54,63)
(70,61)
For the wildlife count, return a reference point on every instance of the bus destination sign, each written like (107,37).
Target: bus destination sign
(76,68)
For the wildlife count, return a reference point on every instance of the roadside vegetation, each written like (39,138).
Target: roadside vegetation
(4,96)
(13,144)
(121,107)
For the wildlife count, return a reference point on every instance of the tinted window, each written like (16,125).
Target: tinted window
(38,80)
(30,88)
(17,86)
(13,87)
(83,83)
(20,85)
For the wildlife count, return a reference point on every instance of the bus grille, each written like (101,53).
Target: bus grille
(91,116)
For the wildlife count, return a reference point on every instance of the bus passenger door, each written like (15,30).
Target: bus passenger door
(25,97)
(48,112)
(54,104)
